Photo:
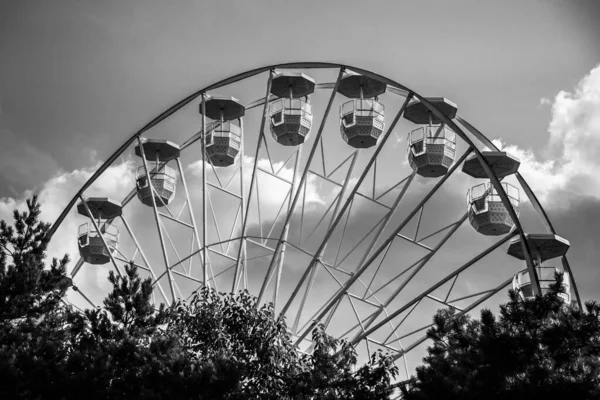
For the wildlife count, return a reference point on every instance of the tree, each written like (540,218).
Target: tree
(247,353)
(27,288)
(31,336)
(538,348)
(218,346)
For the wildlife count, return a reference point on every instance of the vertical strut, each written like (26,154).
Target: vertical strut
(261,138)
(287,227)
(302,182)
(313,273)
(157,218)
(436,286)
(383,246)
(190,210)
(348,202)
(418,268)
(204,195)
(242,250)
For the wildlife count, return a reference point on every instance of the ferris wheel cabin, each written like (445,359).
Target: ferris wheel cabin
(291,114)
(159,188)
(362,120)
(487,213)
(98,239)
(223,136)
(431,148)
(543,247)
(546,276)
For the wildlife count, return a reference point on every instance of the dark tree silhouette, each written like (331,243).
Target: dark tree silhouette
(536,349)
(216,347)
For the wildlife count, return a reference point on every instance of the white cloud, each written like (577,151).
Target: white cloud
(572,154)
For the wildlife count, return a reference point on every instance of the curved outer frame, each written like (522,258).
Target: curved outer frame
(321,65)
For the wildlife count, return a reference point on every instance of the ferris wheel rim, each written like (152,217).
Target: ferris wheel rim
(331,65)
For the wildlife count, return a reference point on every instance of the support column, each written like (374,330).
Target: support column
(261,138)
(157,219)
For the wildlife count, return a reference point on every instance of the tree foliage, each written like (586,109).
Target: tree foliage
(217,346)
(538,348)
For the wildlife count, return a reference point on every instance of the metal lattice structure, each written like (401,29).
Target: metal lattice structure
(320,212)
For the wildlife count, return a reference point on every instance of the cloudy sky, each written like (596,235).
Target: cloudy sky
(79,77)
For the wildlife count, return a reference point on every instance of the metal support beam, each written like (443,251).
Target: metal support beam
(302,183)
(139,248)
(419,267)
(436,286)
(204,196)
(466,310)
(377,236)
(319,255)
(261,139)
(287,227)
(157,220)
(348,202)
(243,255)
(390,238)
(189,207)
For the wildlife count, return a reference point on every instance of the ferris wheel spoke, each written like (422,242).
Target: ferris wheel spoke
(491,293)
(294,190)
(322,247)
(261,140)
(395,278)
(302,180)
(157,220)
(143,255)
(377,236)
(362,267)
(312,264)
(438,284)
(420,266)
(335,200)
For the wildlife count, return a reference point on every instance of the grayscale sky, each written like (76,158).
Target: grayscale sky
(79,77)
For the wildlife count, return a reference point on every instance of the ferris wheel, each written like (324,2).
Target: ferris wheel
(331,191)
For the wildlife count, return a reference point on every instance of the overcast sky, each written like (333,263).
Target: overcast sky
(79,77)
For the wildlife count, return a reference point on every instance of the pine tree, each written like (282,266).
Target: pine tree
(539,348)
(32,340)
(27,288)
